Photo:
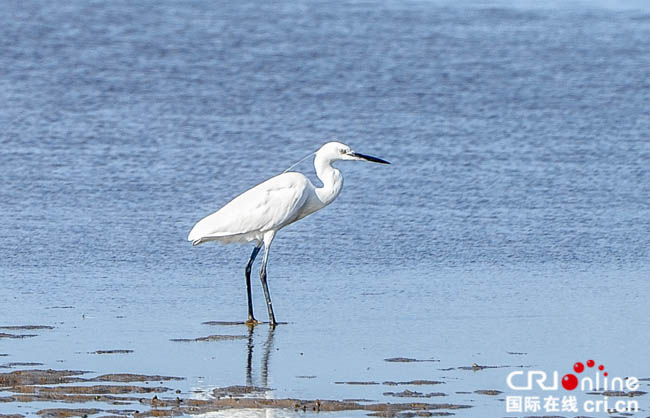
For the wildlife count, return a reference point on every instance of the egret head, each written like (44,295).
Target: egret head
(338,151)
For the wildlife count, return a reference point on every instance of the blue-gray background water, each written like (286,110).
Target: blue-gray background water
(515,216)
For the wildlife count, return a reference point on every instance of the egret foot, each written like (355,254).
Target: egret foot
(251,322)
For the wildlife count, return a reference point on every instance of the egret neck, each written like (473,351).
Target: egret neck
(330,177)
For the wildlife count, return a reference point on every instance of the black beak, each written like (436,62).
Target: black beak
(369,158)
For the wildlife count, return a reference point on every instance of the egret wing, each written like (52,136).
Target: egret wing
(270,205)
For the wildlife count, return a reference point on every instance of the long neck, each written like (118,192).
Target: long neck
(330,177)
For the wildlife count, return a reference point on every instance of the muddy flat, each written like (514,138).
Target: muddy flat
(210,338)
(34,386)
(26,327)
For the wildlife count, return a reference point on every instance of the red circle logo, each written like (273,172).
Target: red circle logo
(569,382)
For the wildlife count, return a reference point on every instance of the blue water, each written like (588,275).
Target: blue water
(515,215)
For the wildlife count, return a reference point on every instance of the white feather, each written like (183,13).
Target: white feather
(268,206)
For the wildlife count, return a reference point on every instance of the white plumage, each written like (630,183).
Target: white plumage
(258,213)
(268,206)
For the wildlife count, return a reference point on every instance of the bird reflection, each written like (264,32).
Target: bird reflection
(267,347)
(259,346)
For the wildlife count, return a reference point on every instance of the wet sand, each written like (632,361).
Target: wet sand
(54,386)
(78,392)
(38,387)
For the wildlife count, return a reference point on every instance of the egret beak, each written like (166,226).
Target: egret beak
(368,158)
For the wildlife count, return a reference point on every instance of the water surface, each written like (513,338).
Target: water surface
(514,217)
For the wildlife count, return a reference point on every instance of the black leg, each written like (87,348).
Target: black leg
(267,295)
(251,317)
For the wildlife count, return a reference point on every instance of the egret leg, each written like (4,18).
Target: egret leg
(267,244)
(251,317)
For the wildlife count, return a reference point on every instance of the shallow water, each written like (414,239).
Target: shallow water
(514,217)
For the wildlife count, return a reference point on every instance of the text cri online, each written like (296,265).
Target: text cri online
(538,379)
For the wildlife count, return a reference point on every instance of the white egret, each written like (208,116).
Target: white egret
(258,213)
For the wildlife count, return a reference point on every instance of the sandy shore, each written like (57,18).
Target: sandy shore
(66,392)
